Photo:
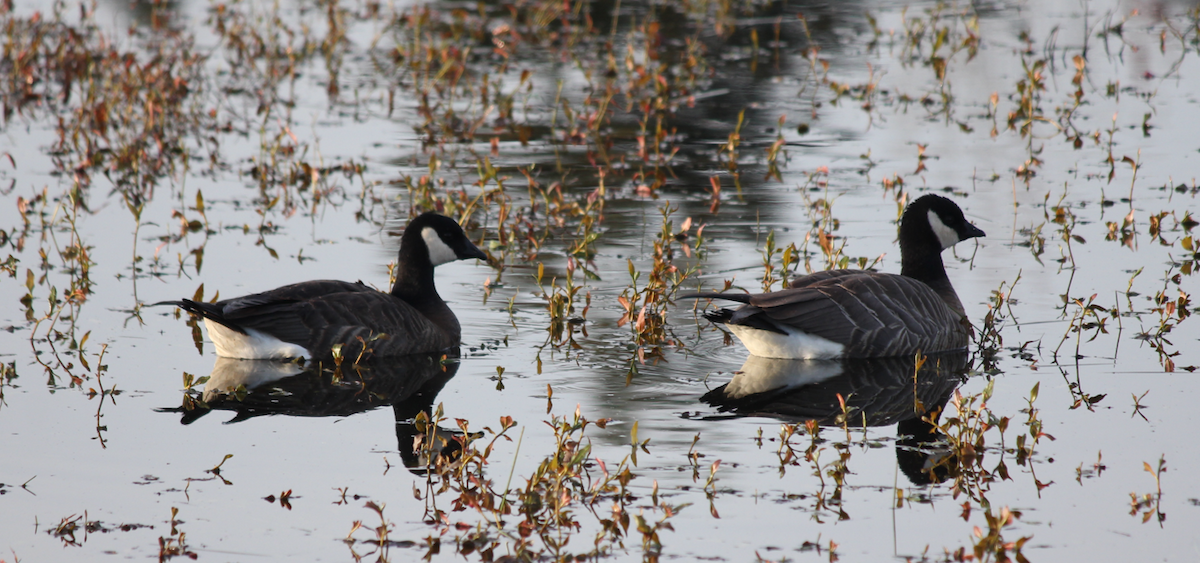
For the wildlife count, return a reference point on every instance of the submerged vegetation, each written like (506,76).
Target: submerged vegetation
(607,155)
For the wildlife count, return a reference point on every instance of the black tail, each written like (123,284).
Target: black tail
(738,297)
(204,310)
(720,316)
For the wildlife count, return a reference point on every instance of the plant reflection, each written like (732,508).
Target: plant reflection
(252,388)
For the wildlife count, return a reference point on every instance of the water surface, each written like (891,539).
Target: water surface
(310,143)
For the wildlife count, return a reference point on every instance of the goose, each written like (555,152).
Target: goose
(316,319)
(860,313)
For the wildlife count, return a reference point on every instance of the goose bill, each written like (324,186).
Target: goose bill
(473,251)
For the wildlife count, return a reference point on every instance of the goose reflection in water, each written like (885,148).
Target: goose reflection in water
(877,392)
(410,384)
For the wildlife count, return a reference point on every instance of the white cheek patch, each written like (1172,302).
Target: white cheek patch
(439,252)
(947,236)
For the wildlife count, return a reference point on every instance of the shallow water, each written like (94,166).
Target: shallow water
(1110,405)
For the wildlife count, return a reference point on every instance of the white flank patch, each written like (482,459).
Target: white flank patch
(793,346)
(947,236)
(253,345)
(230,373)
(759,375)
(439,252)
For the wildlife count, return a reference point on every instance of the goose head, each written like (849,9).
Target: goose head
(934,223)
(433,239)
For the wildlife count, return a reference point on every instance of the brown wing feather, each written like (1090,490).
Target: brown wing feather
(353,319)
(872,314)
(320,314)
(303,291)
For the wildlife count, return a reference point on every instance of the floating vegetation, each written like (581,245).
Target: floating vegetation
(568,485)
(604,155)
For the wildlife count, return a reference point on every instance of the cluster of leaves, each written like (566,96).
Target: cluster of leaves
(542,519)
(132,115)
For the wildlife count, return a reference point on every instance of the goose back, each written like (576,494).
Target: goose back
(315,319)
(864,314)
(318,315)
(871,314)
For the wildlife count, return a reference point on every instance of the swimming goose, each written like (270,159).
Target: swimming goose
(859,313)
(309,319)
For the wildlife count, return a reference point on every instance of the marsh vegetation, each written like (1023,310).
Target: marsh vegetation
(607,155)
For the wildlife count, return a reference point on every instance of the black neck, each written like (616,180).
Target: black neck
(414,274)
(921,259)
(414,285)
(923,265)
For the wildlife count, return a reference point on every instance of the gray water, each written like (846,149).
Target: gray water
(1079,227)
